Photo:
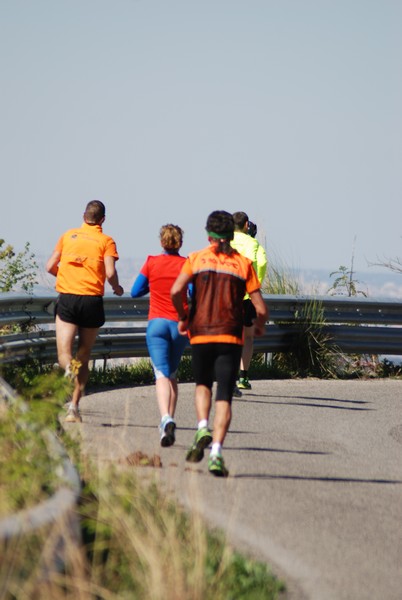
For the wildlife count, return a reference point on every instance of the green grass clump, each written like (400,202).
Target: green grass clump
(27,466)
(311,353)
(280,279)
(139,373)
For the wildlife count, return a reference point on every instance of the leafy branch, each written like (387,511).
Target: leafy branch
(17,270)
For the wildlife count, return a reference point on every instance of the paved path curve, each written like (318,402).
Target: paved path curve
(315,486)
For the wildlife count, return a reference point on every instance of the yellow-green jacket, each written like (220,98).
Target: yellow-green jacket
(252,249)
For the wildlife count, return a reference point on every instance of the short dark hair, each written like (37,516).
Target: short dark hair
(240,219)
(94,212)
(221,222)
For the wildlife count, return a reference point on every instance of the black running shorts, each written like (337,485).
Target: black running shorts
(217,362)
(83,311)
(249,313)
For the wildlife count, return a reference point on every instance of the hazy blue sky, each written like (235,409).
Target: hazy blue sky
(167,110)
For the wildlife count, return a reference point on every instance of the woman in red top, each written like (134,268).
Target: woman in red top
(165,344)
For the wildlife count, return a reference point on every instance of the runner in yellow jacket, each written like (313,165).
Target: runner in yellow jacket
(249,247)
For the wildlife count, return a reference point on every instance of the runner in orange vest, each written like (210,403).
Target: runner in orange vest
(220,277)
(81,262)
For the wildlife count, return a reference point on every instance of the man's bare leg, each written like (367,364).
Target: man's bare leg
(203,397)
(247,352)
(86,340)
(65,336)
(222,419)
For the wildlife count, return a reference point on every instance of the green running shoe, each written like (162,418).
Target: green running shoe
(216,466)
(244,384)
(202,439)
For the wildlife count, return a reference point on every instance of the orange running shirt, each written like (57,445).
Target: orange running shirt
(220,283)
(81,268)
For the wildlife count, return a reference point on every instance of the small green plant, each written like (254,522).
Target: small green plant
(139,373)
(27,467)
(345,284)
(311,353)
(185,370)
(355,365)
(21,375)
(17,270)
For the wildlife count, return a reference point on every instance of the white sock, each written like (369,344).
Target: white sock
(216,449)
(202,424)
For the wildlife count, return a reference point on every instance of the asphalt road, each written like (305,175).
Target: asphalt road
(315,485)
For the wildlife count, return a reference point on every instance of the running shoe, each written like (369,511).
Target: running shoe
(244,383)
(167,432)
(216,466)
(236,392)
(73,414)
(202,440)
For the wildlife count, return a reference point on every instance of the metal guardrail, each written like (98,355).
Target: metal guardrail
(354,325)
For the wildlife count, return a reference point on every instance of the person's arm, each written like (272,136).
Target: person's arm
(140,286)
(262,312)
(52,265)
(112,276)
(261,263)
(176,294)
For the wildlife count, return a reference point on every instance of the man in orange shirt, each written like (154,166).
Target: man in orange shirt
(220,277)
(81,262)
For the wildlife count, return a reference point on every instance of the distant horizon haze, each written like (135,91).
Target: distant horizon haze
(166,111)
(377,284)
